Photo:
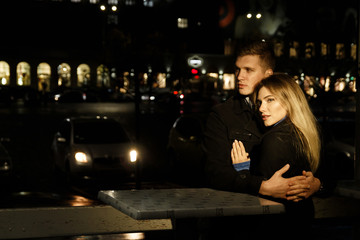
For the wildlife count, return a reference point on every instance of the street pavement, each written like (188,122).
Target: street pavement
(33,185)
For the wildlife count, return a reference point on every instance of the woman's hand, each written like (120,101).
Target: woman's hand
(238,153)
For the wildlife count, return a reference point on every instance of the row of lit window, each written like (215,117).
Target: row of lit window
(104,76)
(23,75)
(310,84)
(310,47)
(294,46)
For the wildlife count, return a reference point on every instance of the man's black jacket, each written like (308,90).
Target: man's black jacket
(228,121)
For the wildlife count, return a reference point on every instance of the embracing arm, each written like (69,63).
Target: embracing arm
(301,185)
(276,186)
(303,188)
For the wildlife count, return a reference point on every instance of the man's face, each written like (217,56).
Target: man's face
(249,72)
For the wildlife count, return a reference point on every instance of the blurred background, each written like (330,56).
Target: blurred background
(156,67)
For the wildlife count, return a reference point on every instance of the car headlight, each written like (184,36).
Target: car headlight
(81,158)
(133,155)
(5,167)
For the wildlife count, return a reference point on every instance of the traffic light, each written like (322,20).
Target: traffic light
(195,73)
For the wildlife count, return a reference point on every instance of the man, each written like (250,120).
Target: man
(235,119)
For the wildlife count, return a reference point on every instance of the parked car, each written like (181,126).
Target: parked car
(6,165)
(339,147)
(68,95)
(184,150)
(90,147)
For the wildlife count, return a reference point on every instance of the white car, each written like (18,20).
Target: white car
(90,147)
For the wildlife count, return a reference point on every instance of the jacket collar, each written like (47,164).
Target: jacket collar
(241,104)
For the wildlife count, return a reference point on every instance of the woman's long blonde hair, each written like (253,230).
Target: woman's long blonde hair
(293,99)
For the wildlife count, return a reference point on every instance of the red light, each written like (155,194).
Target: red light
(197,77)
(175,92)
(194,71)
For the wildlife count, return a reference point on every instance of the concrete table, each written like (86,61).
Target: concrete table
(187,203)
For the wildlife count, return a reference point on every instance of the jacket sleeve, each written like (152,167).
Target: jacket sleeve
(219,169)
(276,151)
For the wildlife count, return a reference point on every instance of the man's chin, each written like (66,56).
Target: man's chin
(244,92)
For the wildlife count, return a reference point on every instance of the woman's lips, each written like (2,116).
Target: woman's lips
(265,117)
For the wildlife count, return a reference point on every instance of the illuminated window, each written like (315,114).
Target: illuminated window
(229,81)
(213,75)
(182,23)
(325,83)
(353,51)
(144,78)
(43,75)
(23,74)
(309,85)
(229,47)
(352,84)
(294,49)
(103,76)
(309,50)
(324,49)
(278,49)
(113,74)
(83,75)
(161,80)
(148,3)
(64,72)
(125,83)
(130,2)
(340,51)
(339,85)
(4,73)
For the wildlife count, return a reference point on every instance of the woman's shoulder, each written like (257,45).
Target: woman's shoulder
(283,129)
(279,135)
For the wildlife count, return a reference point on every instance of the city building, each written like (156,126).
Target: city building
(111,44)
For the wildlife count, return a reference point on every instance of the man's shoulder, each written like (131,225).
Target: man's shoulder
(231,104)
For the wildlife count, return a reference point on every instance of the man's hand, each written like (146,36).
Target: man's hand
(277,186)
(300,189)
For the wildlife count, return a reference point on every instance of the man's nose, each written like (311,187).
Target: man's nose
(240,75)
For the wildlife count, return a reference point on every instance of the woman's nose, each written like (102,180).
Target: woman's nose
(262,107)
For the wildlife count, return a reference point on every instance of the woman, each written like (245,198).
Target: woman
(291,137)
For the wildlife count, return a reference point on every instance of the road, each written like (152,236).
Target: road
(34,184)
(31,129)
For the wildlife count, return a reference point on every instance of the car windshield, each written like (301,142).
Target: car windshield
(99,132)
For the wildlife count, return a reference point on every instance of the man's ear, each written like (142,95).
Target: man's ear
(269,72)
